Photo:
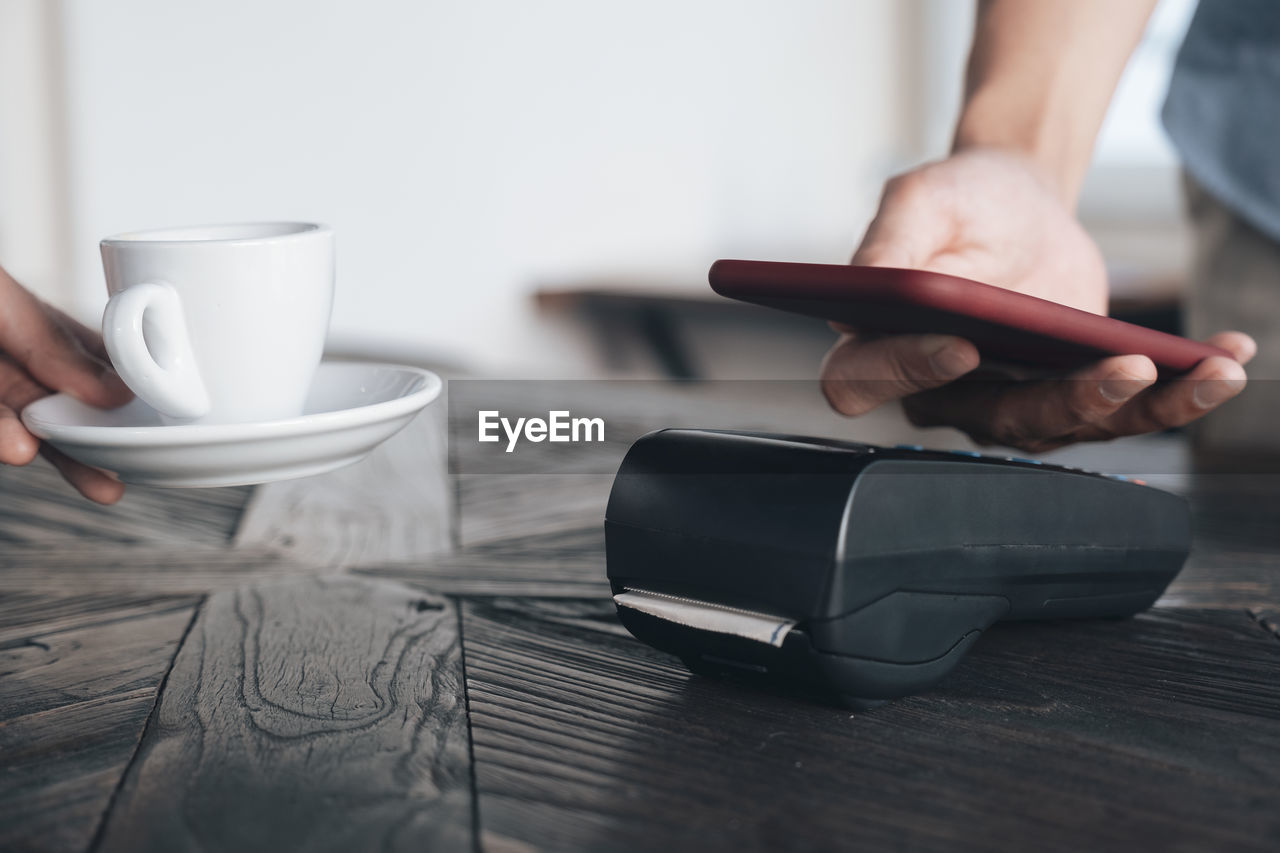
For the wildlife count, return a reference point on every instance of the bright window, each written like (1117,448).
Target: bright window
(1131,134)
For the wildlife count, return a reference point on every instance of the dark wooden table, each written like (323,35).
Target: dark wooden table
(419,653)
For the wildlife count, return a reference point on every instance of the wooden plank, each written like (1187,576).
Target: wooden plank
(309,714)
(1161,732)
(504,507)
(560,564)
(100,570)
(396,504)
(26,614)
(38,509)
(1213,577)
(1268,616)
(77,682)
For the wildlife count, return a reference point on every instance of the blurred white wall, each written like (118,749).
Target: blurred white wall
(468,150)
(34,222)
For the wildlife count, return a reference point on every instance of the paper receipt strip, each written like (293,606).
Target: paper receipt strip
(705,616)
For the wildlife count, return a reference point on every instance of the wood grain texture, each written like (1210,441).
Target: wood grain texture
(1217,577)
(498,507)
(25,616)
(1161,732)
(38,509)
(97,570)
(328,713)
(1268,616)
(396,504)
(77,682)
(559,564)
(311,714)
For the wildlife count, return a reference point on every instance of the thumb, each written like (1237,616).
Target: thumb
(858,375)
(57,352)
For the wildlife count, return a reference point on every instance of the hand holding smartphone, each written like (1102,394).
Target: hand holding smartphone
(1003,325)
(920,335)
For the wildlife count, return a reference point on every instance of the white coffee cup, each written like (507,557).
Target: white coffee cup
(219,323)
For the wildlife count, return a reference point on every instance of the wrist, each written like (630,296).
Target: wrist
(1034,132)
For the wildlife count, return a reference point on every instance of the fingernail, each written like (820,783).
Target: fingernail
(1120,386)
(1249,351)
(1215,392)
(949,360)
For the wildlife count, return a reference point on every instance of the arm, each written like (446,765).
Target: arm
(1041,76)
(1000,210)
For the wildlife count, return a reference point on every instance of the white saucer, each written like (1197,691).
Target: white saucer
(351,409)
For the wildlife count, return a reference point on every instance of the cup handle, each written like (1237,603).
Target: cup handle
(157,364)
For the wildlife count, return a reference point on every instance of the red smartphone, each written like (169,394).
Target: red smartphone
(1002,324)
